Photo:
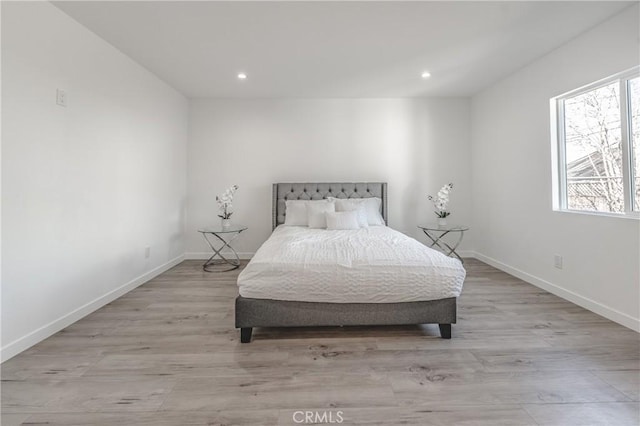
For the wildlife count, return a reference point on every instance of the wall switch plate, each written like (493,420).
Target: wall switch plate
(557,261)
(147,252)
(61,97)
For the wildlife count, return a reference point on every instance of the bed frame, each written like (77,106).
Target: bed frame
(279,313)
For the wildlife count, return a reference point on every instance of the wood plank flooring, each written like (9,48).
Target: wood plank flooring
(167,353)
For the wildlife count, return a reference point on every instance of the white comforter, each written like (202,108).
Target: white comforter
(370,265)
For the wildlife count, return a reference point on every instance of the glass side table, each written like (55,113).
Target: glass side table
(214,235)
(436,232)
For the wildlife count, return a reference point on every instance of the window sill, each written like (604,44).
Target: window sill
(632,216)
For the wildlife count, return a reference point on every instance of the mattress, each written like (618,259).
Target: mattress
(368,265)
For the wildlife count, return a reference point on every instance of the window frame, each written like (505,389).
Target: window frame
(558,149)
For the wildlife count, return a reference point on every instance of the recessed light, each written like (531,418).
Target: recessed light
(242,76)
(425,74)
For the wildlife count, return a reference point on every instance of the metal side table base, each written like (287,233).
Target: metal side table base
(436,234)
(218,259)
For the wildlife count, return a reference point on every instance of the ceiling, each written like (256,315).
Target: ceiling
(336,49)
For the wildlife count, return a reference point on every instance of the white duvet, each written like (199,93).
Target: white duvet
(369,265)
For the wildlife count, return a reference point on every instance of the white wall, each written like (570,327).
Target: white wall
(415,145)
(516,228)
(87,187)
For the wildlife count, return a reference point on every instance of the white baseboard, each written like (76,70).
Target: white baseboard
(25,342)
(466,253)
(196,255)
(600,309)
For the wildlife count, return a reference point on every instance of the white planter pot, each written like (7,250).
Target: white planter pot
(442,221)
(226,223)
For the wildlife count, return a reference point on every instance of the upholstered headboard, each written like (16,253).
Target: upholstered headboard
(318,191)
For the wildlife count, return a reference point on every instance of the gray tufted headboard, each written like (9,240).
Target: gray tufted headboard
(318,191)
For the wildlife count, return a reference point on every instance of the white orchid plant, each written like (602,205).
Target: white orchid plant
(225,202)
(441,201)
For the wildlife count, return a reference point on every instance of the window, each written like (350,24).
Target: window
(634,102)
(598,147)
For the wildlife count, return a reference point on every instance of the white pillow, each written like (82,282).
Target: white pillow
(295,213)
(316,211)
(372,207)
(342,220)
(361,211)
(359,208)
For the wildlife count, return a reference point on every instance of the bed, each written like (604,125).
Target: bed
(314,277)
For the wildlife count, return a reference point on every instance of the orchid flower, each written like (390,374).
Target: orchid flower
(225,202)
(441,201)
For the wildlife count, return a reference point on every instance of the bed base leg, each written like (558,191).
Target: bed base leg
(245,334)
(445,331)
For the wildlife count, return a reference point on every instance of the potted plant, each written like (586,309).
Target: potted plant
(441,203)
(225,202)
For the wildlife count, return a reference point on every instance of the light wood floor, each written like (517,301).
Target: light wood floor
(168,354)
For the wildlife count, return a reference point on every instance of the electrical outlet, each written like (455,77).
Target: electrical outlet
(61,97)
(147,252)
(557,261)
